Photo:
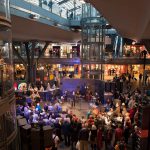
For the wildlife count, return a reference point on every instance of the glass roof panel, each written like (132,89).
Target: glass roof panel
(68,4)
(63,8)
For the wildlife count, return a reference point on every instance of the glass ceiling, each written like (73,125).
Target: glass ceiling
(72,6)
(69,4)
(64,8)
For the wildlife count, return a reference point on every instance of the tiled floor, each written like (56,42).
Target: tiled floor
(80,110)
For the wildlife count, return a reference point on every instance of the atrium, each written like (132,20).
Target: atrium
(74,75)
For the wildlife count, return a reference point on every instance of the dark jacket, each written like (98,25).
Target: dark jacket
(84,134)
(66,128)
(93,135)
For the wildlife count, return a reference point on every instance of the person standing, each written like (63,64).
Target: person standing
(93,137)
(83,137)
(129,77)
(66,130)
(140,77)
(99,138)
(118,133)
(73,99)
(108,137)
(56,141)
(134,137)
(126,133)
(146,77)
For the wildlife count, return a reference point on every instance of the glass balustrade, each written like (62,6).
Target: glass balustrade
(6,70)
(70,9)
(4,9)
(8,125)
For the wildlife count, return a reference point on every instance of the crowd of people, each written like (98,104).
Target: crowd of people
(108,125)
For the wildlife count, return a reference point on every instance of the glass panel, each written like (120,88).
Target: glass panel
(70,9)
(6,70)
(4,8)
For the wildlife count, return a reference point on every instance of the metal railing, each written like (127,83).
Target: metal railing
(56,9)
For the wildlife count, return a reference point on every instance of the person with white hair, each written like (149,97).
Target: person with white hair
(41,89)
(48,87)
(134,137)
(26,111)
(50,108)
(35,117)
(107,120)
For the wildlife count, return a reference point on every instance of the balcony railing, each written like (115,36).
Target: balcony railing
(55,8)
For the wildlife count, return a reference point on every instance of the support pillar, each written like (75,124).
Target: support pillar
(31,61)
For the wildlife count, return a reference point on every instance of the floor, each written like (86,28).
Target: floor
(80,110)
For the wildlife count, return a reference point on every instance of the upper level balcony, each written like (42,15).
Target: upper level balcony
(72,58)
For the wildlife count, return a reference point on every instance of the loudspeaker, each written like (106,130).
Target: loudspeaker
(25,134)
(35,139)
(48,130)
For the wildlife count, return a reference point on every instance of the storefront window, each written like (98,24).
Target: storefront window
(47,72)
(6,70)
(19,72)
(134,51)
(62,51)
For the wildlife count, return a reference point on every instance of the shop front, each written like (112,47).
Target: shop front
(135,51)
(63,51)
(19,72)
(52,72)
(112,70)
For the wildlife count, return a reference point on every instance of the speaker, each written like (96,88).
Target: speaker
(48,130)
(35,139)
(25,134)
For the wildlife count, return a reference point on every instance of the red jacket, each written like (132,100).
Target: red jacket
(118,134)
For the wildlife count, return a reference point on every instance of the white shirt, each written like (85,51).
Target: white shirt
(56,140)
(78,145)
